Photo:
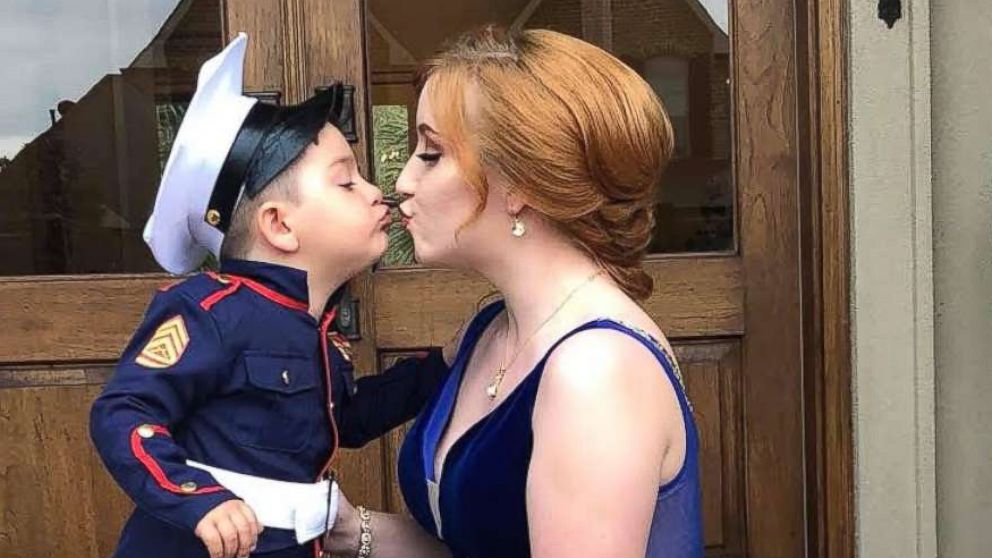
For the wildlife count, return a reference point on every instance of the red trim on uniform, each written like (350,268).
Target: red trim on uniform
(168,286)
(324,325)
(153,468)
(236,281)
(275,296)
(220,295)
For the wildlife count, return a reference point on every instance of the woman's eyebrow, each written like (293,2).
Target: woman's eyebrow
(426,130)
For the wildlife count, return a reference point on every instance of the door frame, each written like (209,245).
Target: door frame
(826,280)
(34,303)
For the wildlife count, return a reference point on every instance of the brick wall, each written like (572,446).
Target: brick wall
(641,28)
(564,16)
(720,105)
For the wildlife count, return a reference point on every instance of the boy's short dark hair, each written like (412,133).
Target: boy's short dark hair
(240,235)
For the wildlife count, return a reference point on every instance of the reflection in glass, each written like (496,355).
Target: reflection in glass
(390,151)
(680,47)
(86,123)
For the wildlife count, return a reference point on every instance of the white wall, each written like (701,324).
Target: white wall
(892,284)
(961,39)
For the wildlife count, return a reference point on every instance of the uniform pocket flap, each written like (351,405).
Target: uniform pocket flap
(283,373)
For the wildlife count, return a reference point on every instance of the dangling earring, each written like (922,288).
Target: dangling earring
(518,228)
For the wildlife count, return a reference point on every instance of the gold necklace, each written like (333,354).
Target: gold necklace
(492,390)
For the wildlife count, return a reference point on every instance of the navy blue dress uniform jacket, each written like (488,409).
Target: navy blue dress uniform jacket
(231,370)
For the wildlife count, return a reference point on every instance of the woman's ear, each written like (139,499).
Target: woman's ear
(514,205)
(273,227)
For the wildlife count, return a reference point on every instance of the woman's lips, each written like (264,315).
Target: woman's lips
(405,217)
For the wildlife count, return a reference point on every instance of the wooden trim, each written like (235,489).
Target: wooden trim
(62,376)
(335,50)
(265,62)
(826,320)
(294,37)
(62,319)
(695,297)
(766,161)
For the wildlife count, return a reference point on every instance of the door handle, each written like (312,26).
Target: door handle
(346,124)
(346,321)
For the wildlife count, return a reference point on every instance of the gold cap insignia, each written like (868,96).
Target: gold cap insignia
(166,346)
(213,217)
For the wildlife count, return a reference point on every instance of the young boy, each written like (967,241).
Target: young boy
(227,405)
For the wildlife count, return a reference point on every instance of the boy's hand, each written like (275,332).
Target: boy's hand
(230,530)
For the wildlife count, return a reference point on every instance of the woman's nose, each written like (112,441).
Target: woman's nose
(404,183)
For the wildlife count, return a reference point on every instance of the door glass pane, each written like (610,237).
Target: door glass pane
(93,94)
(680,47)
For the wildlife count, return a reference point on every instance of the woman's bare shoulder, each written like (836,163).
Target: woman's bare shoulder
(606,385)
(602,359)
(610,368)
(626,312)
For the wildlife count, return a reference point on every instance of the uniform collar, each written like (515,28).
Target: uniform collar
(287,281)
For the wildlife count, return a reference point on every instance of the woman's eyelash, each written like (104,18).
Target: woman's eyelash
(429,157)
(348,185)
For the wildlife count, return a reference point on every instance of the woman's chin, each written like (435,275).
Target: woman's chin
(420,254)
(427,257)
(423,254)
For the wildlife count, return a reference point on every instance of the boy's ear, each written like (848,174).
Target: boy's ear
(272,227)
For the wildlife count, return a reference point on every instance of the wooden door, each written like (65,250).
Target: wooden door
(726,254)
(76,278)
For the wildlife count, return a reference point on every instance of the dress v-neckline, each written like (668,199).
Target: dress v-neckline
(480,433)
(439,421)
(448,411)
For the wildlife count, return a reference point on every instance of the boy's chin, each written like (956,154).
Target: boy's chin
(377,255)
(381,245)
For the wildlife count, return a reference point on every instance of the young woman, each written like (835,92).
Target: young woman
(563,428)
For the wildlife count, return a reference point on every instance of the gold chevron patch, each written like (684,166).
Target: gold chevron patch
(166,346)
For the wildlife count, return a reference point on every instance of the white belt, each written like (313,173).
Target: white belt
(300,507)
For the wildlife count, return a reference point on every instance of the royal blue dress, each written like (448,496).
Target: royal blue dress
(479,506)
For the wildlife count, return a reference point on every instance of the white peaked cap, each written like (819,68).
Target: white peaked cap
(177,231)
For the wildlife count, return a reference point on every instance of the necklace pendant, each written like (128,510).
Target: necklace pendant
(492,390)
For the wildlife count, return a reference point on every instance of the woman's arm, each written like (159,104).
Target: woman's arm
(384,401)
(393,536)
(605,419)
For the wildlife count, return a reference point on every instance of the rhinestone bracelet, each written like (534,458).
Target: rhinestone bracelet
(365,539)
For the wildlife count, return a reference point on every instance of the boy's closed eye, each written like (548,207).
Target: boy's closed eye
(341,175)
